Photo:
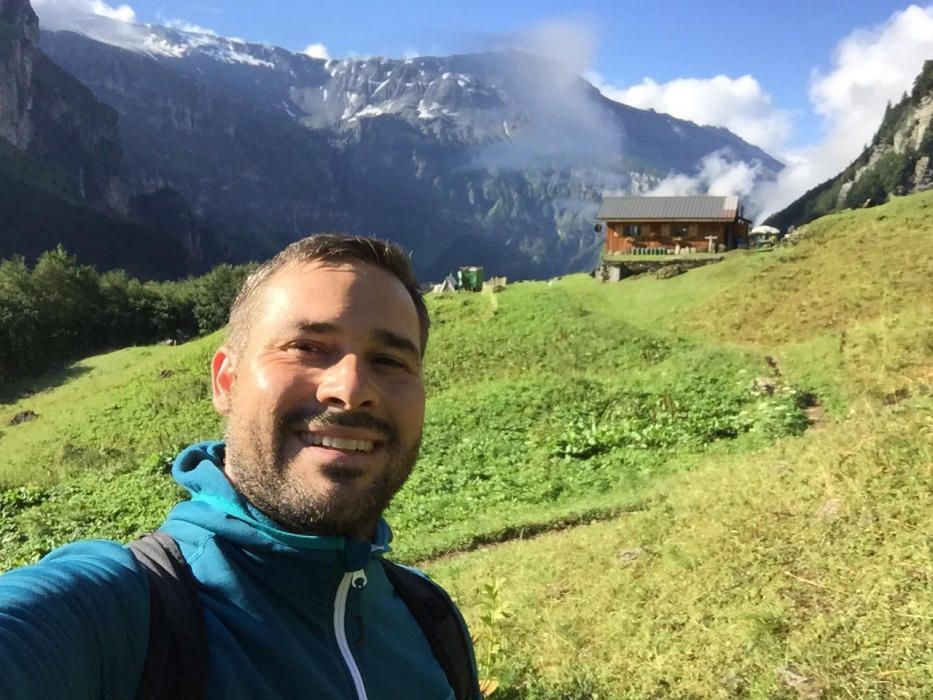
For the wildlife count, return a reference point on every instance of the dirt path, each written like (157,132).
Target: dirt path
(532,531)
(816,414)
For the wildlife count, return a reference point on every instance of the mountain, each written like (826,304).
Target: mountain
(61,168)
(497,158)
(897,161)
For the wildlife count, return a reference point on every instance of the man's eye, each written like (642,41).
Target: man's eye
(305,347)
(390,361)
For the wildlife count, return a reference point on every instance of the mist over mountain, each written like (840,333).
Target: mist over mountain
(495,158)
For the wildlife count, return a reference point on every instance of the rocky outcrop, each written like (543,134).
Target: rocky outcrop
(60,152)
(77,135)
(49,115)
(19,34)
(897,161)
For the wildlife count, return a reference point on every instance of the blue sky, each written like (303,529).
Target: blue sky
(807,81)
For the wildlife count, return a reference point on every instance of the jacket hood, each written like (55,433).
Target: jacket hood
(216,506)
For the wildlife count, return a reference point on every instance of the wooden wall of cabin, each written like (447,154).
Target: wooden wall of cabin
(698,232)
(616,242)
(655,234)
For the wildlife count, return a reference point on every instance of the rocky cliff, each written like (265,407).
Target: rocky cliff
(896,162)
(51,116)
(62,178)
(19,34)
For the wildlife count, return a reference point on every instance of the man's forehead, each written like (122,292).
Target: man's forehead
(322,290)
(334,279)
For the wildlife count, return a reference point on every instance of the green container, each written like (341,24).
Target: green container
(471,279)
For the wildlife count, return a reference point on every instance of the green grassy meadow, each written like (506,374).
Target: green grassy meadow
(715,485)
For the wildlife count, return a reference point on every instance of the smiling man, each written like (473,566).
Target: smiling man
(270,582)
(323,393)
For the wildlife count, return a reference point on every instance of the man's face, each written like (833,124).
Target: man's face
(325,402)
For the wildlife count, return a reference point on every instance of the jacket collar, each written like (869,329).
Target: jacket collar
(217,506)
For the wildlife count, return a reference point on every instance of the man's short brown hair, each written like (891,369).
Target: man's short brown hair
(330,247)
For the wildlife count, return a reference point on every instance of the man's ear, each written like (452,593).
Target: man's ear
(223,371)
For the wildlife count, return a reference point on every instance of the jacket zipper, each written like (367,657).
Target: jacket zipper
(351,579)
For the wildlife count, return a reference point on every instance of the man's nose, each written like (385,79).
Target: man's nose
(346,384)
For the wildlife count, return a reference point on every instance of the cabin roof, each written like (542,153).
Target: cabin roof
(690,208)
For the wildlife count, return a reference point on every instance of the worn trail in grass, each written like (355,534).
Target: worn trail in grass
(813,559)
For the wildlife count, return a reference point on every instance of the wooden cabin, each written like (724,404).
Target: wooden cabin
(691,222)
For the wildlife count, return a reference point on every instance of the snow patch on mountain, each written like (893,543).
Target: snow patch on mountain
(231,53)
(169,42)
(370,111)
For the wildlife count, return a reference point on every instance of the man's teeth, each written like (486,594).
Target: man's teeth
(339,443)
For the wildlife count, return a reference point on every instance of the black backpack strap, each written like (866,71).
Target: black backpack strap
(435,613)
(176,662)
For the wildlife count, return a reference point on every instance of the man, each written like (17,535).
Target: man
(321,386)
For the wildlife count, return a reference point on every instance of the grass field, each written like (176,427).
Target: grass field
(617,480)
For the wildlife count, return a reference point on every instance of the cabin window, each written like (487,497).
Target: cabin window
(679,229)
(633,230)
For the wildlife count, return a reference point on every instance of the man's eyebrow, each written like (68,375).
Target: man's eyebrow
(399,342)
(316,327)
(384,336)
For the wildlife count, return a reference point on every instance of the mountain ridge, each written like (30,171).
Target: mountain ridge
(467,158)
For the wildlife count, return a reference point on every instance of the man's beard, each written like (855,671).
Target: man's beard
(264,475)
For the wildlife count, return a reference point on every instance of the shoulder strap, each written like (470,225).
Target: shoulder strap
(176,662)
(439,620)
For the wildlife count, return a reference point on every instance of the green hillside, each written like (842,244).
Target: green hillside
(715,485)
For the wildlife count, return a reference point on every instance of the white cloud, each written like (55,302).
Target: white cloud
(111,25)
(67,14)
(119,26)
(317,51)
(408,54)
(725,177)
(566,127)
(121,13)
(718,175)
(738,104)
(100,21)
(190,27)
(568,42)
(870,68)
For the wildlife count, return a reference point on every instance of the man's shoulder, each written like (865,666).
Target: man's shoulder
(408,572)
(84,570)
(441,623)
(75,624)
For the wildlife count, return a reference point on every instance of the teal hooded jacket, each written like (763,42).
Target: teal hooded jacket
(287,615)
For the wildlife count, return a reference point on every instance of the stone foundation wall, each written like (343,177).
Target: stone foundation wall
(662,267)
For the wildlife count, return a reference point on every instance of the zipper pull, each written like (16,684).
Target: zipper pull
(357,582)
(358,579)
